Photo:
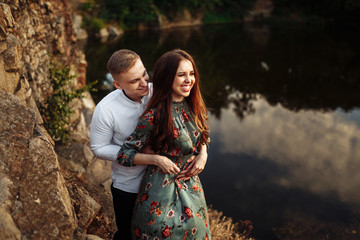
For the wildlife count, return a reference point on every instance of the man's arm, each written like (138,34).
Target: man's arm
(165,164)
(101,134)
(197,164)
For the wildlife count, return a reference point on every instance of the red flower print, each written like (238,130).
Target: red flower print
(186,116)
(188,212)
(150,223)
(138,143)
(154,204)
(141,127)
(206,222)
(185,236)
(151,120)
(158,212)
(165,182)
(144,197)
(145,237)
(120,156)
(178,184)
(193,231)
(182,218)
(175,151)
(166,232)
(130,138)
(206,237)
(196,187)
(148,186)
(176,132)
(137,232)
(196,133)
(171,214)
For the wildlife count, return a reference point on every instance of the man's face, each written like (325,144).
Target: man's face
(134,82)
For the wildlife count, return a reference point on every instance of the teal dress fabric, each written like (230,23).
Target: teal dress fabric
(167,208)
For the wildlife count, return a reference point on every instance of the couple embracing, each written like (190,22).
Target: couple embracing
(156,136)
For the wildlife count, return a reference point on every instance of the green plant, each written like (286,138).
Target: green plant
(87,5)
(94,24)
(130,13)
(57,109)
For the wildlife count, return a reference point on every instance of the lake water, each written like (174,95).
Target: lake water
(284,111)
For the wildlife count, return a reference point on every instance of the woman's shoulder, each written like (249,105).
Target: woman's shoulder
(148,117)
(149,112)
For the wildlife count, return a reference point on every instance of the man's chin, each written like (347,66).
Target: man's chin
(144,93)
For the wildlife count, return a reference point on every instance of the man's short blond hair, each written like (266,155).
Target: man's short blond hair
(121,61)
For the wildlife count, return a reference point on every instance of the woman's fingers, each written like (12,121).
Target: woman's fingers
(191,159)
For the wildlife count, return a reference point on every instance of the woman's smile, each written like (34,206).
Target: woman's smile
(184,80)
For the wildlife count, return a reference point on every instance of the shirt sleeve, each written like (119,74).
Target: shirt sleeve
(101,134)
(137,140)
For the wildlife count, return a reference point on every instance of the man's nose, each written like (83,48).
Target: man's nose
(143,81)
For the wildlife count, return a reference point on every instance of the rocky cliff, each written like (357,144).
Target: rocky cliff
(45,192)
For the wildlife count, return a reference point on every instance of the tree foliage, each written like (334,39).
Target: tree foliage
(132,12)
(327,10)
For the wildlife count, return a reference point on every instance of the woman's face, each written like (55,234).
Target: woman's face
(184,81)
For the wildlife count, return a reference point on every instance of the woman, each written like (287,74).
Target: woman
(174,125)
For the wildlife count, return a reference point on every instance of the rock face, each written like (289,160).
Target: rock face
(36,196)
(40,196)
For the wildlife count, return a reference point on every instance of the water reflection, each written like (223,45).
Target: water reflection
(283,166)
(284,108)
(319,152)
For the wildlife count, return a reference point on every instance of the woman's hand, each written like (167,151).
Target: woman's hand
(196,166)
(165,164)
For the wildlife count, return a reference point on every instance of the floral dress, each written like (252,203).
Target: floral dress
(167,208)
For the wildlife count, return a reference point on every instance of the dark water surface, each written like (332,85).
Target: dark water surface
(284,106)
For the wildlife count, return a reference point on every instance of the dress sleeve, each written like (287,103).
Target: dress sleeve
(137,140)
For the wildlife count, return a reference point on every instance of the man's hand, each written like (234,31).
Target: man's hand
(197,164)
(165,164)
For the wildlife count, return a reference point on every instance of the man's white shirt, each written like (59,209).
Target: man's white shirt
(114,119)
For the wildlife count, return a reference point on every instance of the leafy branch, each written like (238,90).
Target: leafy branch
(57,109)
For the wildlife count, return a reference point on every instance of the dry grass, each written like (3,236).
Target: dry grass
(223,228)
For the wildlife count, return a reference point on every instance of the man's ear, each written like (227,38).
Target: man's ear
(117,85)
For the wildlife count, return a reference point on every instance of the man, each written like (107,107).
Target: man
(114,119)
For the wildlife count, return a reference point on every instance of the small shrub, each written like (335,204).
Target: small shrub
(57,109)
(94,24)
(86,6)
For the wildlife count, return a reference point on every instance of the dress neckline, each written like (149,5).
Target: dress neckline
(178,103)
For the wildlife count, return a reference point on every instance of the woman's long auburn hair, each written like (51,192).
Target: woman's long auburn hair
(163,77)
